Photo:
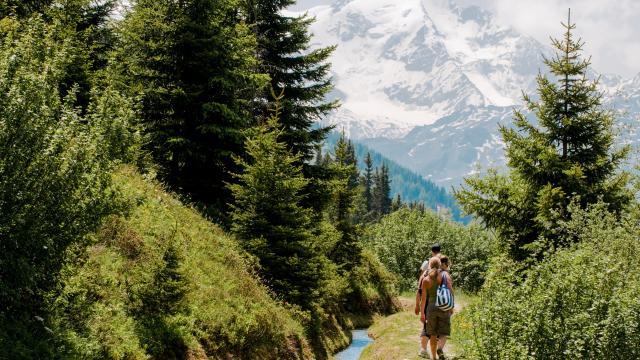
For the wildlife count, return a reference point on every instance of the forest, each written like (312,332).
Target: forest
(166,193)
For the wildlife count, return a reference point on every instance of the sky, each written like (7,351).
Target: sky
(610,28)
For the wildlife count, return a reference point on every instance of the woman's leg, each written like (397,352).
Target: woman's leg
(434,347)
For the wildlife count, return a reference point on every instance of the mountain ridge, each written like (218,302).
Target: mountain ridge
(427,82)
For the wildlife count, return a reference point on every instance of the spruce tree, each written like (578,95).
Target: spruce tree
(568,157)
(396,204)
(303,74)
(192,64)
(381,192)
(269,220)
(346,252)
(368,182)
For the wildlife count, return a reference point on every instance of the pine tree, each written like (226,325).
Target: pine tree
(368,182)
(271,223)
(192,63)
(569,157)
(346,252)
(382,191)
(303,74)
(396,204)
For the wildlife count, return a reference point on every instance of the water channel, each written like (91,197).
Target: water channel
(360,340)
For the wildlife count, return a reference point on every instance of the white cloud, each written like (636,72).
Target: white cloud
(307,4)
(610,28)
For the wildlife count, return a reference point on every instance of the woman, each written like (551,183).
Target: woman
(444,266)
(438,322)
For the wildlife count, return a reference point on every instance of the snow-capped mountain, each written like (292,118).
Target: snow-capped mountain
(426,82)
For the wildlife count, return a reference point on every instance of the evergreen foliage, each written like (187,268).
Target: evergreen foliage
(155,305)
(192,64)
(271,223)
(412,187)
(570,156)
(381,200)
(347,252)
(284,53)
(368,183)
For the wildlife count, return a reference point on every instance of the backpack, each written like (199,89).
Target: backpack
(444,297)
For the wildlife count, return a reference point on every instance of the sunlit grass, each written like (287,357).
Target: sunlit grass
(398,336)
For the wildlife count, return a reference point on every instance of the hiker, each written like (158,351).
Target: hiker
(438,322)
(444,266)
(424,336)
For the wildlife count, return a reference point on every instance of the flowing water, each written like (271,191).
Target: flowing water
(360,340)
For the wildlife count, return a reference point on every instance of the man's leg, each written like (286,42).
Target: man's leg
(424,339)
(442,341)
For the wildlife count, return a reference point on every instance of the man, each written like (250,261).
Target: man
(424,269)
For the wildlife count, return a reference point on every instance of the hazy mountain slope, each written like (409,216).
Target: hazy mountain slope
(410,185)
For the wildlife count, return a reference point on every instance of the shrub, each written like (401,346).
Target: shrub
(580,302)
(55,183)
(403,239)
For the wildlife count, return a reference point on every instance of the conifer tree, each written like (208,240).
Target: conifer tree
(303,74)
(382,191)
(368,182)
(569,156)
(192,63)
(271,223)
(396,204)
(346,252)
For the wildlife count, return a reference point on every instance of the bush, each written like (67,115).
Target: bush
(55,183)
(373,288)
(581,302)
(403,239)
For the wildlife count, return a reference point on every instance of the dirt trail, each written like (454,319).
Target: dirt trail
(396,336)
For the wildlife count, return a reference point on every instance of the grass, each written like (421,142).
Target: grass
(222,312)
(398,336)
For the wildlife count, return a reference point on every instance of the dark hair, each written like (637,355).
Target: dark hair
(435,248)
(444,260)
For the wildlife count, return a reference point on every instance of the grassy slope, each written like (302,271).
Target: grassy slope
(397,336)
(225,311)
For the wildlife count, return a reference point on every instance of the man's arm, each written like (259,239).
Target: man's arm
(418,297)
(426,284)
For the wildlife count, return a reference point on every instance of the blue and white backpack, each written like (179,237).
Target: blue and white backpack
(444,297)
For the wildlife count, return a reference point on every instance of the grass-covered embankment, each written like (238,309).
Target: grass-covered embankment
(163,282)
